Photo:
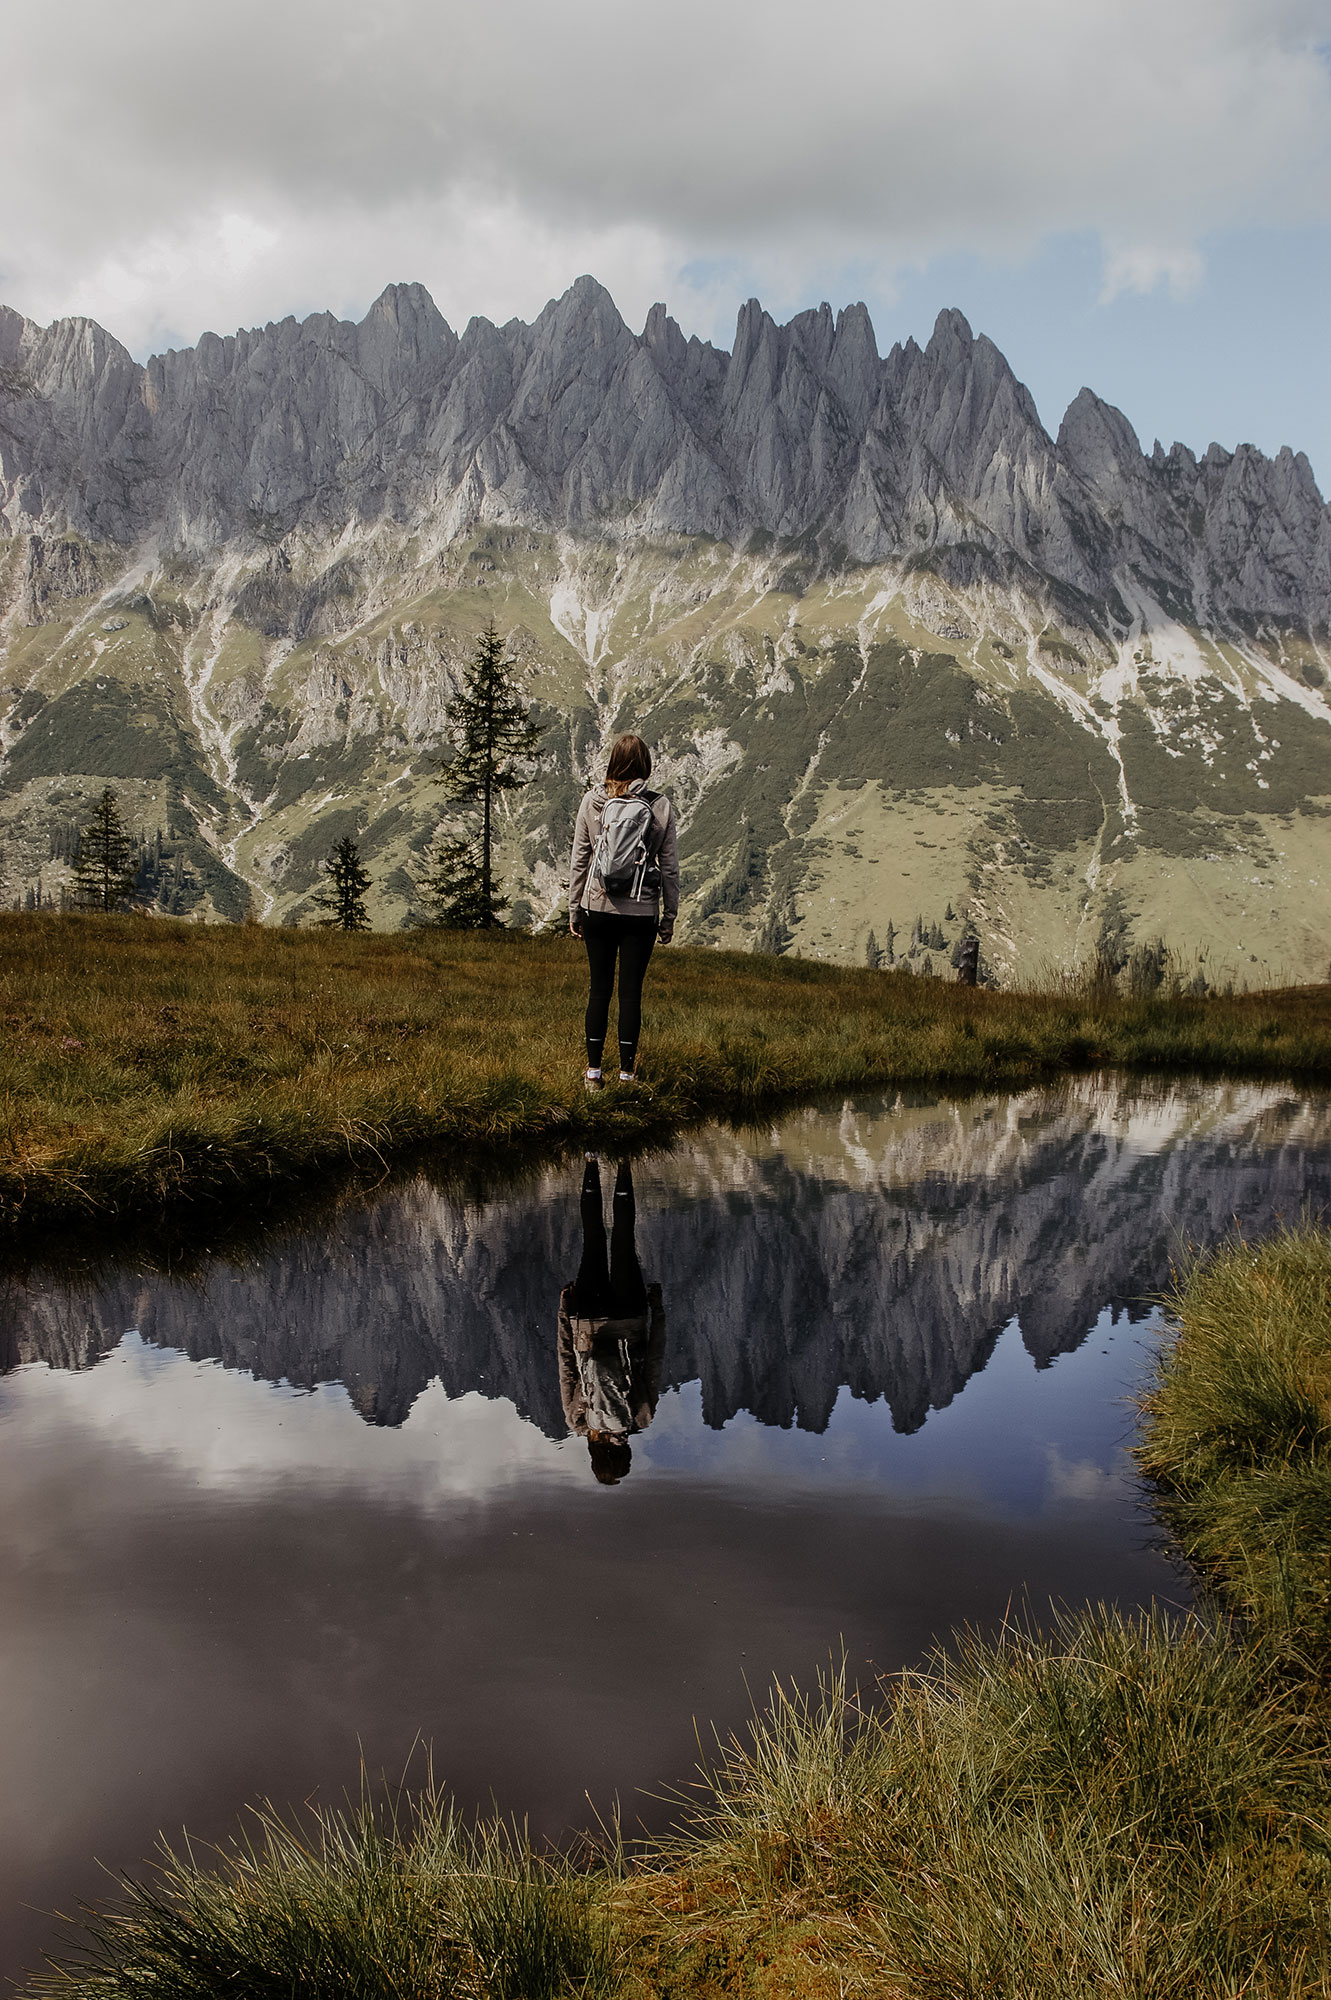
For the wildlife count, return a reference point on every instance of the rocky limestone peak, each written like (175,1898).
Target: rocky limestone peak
(1100,446)
(664,341)
(755,359)
(583,319)
(853,367)
(813,332)
(1097,439)
(13,329)
(951,340)
(404,334)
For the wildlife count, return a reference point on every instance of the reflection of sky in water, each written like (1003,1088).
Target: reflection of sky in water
(1022,1439)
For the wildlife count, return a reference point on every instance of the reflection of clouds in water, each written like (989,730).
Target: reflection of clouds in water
(225,1429)
(1085,1479)
(221,1431)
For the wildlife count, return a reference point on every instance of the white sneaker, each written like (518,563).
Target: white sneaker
(627,1076)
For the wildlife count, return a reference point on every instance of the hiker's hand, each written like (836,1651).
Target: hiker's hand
(666,932)
(575,927)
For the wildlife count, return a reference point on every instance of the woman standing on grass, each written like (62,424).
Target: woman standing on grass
(623,894)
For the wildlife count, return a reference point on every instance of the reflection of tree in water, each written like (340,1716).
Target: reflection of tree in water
(875,1251)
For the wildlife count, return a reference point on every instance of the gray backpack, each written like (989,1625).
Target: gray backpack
(622,861)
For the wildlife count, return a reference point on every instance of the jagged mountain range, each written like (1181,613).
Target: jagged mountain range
(882,1249)
(872,615)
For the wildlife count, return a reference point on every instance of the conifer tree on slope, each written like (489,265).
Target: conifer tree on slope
(343,893)
(450,884)
(491,731)
(103,872)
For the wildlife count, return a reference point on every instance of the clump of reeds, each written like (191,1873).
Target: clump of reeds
(1124,1807)
(1238,1433)
(364,1903)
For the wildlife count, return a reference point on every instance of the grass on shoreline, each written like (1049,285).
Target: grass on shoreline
(1127,1806)
(148,1066)
(1238,1436)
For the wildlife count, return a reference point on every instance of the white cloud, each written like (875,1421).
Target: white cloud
(182,165)
(1141,267)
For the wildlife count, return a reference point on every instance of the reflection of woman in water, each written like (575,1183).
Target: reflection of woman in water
(611,1333)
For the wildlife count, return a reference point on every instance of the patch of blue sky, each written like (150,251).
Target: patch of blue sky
(1238,355)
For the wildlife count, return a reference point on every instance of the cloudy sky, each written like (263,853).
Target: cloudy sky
(1130,193)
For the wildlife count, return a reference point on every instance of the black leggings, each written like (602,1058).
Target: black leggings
(609,1286)
(632,938)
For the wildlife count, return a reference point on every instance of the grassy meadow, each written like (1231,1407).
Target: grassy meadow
(1136,1807)
(152,1068)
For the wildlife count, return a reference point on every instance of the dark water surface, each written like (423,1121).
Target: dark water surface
(325,1501)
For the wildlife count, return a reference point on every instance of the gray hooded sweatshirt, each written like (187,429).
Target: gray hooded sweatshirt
(585,891)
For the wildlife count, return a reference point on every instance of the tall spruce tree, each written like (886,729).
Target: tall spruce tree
(342,896)
(450,885)
(104,868)
(492,731)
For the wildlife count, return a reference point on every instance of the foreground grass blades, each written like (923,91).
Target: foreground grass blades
(1238,1435)
(148,1066)
(1126,1807)
(361,1904)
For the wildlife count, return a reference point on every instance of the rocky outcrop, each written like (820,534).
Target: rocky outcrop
(800,433)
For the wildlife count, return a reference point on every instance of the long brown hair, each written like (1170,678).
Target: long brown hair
(629,759)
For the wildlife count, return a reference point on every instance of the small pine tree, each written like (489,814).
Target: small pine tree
(451,887)
(104,871)
(343,894)
(935,939)
(775,936)
(949,915)
(916,934)
(1146,969)
(1112,942)
(966,955)
(873,956)
(890,943)
(491,731)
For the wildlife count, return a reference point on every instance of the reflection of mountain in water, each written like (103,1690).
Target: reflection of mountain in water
(884,1249)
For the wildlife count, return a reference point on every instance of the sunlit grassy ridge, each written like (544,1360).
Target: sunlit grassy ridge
(152,1065)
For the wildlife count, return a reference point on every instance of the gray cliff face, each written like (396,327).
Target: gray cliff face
(573,422)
